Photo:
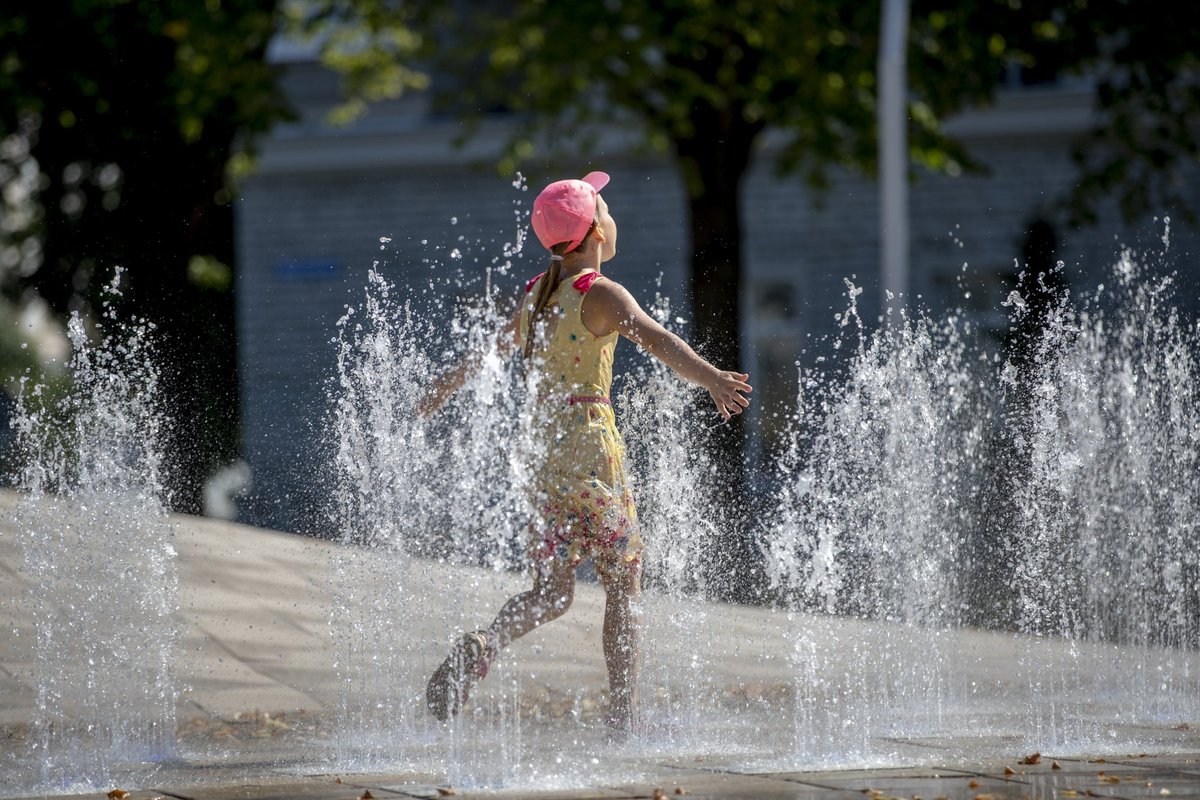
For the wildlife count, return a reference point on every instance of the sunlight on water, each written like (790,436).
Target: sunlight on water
(990,542)
(105,630)
(1075,459)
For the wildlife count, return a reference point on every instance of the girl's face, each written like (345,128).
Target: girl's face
(608,226)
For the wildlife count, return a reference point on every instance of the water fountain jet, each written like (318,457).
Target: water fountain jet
(913,493)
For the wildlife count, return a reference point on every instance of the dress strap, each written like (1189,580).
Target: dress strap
(584,282)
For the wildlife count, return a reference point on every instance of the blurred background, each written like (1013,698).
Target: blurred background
(245,163)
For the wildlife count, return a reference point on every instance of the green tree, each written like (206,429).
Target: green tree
(706,79)
(136,117)
(132,109)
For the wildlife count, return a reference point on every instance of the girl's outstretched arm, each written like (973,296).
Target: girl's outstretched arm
(443,387)
(610,307)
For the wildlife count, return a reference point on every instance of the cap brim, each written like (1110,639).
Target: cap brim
(598,180)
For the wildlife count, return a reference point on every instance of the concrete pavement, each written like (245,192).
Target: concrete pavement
(273,704)
(1134,777)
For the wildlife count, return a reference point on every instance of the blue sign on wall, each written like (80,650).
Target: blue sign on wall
(307,269)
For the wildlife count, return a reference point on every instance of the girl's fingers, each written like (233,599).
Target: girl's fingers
(739,381)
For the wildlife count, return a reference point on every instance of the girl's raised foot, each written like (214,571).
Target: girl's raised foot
(453,681)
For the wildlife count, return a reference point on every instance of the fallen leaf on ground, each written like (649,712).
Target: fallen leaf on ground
(118,794)
(680,790)
(659,794)
(1032,758)
(974,784)
(985,797)
(1055,765)
(446,791)
(1009,771)
(1111,779)
(366,795)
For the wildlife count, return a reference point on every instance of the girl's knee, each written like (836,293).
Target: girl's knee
(559,601)
(558,593)
(624,577)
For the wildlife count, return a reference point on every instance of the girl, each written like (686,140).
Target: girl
(567,324)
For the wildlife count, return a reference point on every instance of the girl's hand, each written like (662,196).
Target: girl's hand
(445,385)
(726,390)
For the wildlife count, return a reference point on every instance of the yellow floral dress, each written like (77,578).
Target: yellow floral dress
(582,491)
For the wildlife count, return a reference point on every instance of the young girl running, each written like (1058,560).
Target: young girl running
(567,325)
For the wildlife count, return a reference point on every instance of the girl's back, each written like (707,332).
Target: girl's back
(573,362)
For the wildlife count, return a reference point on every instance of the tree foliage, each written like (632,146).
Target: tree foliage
(127,112)
(1144,150)
(124,127)
(806,70)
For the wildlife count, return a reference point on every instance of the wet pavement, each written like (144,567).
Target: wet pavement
(1132,777)
(259,693)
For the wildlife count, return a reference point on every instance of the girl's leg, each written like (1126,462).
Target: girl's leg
(622,585)
(551,595)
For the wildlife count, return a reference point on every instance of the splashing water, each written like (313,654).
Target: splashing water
(448,489)
(1107,489)
(670,464)
(913,497)
(931,489)
(98,556)
(877,482)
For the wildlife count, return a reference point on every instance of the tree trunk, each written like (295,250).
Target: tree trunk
(714,162)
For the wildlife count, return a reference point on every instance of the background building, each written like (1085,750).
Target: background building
(314,219)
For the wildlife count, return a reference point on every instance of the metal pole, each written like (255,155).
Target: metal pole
(893,154)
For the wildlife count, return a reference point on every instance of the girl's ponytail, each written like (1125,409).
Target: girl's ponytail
(548,285)
(542,298)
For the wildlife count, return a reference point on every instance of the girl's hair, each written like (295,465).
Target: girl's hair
(548,285)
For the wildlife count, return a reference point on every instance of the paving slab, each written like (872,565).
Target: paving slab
(727,785)
(587,793)
(312,789)
(1164,776)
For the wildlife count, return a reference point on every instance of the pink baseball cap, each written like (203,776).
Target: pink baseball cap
(565,210)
